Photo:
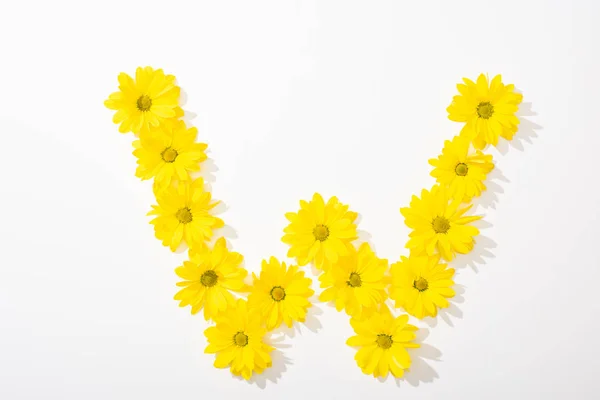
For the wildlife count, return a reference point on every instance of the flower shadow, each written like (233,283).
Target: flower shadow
(525,134)
(208,168)
(316,272)
(279,365)
(225,231)
(188,116)
(363,236)
(451,312)
(489,197)
(421,370)
(481,252)
(311,323)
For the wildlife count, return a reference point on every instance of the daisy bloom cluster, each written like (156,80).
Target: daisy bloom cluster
(439,219)
(212,279)
(354,280)
(441,228)
(166,150)
(243,310)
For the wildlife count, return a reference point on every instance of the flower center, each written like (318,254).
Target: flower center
(354,280)
(321,232)
(384,341)
(184,215)
(485,110)
(461,169)
(421,284)
(209,278)
(169,155)
(278,293)
(440,224)
(240,339)
(144,103)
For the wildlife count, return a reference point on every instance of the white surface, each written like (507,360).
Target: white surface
(343,97)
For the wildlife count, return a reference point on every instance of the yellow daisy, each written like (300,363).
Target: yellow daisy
(356,282)
(280,294)
(488,108)
(237,339)
(439,225)
(382,341)
(168,152)
(421,285)
(182,214)
(208,279)
(462,174)
(320,232)
(150,99)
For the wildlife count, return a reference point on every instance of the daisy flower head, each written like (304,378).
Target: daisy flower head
(487,108)
(356,282)
(320,232)
(460,172)
(238,341)
(209,277)
(168,152)
(421,285)
(280,294)
(438,225)
(149,99)
(382,341)
(183,214)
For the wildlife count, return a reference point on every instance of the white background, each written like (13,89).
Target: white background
(346,98)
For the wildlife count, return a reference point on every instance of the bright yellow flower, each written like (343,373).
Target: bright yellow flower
(438,224)
(182,214)
(356,282)
(237,339)
(168,152)
(280,294)
(421,285)
(382,341)
(487,108)
(320,232)
(209,277)
(462,174)
(149,100)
